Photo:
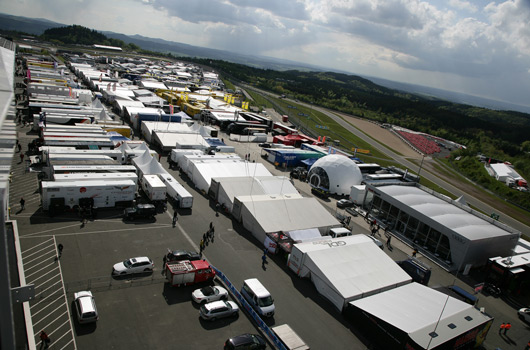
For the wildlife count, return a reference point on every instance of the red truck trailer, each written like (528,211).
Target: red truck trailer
(187,272)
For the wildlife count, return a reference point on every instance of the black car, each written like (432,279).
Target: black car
(140,211)
(245,342)
(181,254)
(265,145)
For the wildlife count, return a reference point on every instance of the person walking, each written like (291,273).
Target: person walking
(507,327)
(205,238)
(175,218)
(59,250)
(414,252)
(21,157)
(263,260)
(501,328)
(44,340)
(22,203)
(388,242)
(201,246)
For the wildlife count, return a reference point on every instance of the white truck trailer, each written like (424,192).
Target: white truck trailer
(96,176)
(154,188)
(176,192)
(105,193)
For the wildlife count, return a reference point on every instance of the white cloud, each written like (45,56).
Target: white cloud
(463,5)
(429,41)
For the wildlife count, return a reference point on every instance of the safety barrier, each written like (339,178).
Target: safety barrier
(255,317)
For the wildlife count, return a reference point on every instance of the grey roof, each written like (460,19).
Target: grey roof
(463,222)
(418,310)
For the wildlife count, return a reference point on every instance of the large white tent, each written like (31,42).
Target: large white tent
(201,171)
(276,213)
(420,317)
(185,161)
(335,173)
(346,268)
(224,190)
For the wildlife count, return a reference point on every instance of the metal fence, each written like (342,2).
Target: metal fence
(255,317)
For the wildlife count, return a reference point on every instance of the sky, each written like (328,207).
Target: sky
(478,47)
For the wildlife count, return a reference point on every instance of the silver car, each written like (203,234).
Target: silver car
(218,309)
(85,307)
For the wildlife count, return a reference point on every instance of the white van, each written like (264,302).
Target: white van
(339,232)
(258,297)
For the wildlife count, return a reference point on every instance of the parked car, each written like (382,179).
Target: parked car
(181,254)
(140,211)
(218,309)
(345,203)
(85,307)
(133,265)
(209,294)
(265,145)
(244,342)
(524,314)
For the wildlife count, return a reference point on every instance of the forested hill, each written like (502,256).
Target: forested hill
(355,95)
(80,35)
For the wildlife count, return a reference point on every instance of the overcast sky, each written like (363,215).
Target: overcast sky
(480,47)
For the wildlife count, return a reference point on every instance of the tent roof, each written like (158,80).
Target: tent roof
(355,269)
(248,185)
(451,216)
(288,212)
(228,168)
(415,309)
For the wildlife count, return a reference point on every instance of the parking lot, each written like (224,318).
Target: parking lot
(144,312)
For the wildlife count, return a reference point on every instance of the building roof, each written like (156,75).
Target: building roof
(416,310)
(467,222)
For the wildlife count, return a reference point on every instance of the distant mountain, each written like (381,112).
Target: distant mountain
(457,97)
(37,26)
(186,50)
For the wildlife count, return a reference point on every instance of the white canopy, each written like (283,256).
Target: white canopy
(349,268)
(202,171)
(231,187)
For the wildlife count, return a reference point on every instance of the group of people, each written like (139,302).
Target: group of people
(505,327)
(207,237)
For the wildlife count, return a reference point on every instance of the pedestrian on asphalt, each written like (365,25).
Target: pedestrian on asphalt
(60,250)
(175,218)
(507,327)
(263,260)
(21,157)
(44,340)
(414,252)
(501,328)
(388,242)
(205,238)
(164,259)
(201,246)
(22,202)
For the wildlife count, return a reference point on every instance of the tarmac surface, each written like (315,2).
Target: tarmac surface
(144,312)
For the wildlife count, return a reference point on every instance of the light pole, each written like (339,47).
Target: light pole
(421,164)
